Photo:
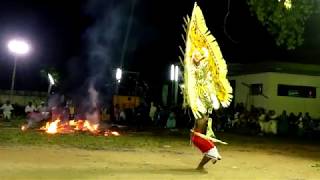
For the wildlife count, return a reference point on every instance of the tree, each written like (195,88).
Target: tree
(284,19)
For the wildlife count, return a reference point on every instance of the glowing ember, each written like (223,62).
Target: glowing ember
(24,128)
(115,133)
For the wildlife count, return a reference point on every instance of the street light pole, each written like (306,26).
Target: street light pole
(18,48)
(125,43)
(13,76)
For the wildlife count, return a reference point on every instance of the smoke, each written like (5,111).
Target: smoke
(55,101)
(106,36)
(93,96)
(104,40)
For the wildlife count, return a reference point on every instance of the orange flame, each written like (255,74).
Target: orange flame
(81,125)
(91,127)
(72,123)
(52,128)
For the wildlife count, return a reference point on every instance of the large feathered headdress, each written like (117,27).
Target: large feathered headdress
(205,82)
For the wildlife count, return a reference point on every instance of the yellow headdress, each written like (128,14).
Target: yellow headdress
(206,85)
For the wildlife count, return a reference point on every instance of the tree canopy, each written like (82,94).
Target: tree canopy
(284,19)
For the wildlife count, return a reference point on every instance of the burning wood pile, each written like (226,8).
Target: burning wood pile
(58,112)
(91,124)
(59,127)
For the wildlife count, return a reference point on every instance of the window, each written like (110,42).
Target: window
(297,91)
(256,89)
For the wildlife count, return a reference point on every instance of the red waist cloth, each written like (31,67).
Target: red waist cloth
(203,144)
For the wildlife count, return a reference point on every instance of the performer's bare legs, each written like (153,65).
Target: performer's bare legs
(201,126)
(203,162)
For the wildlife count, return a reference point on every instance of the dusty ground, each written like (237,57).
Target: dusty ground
(259,161)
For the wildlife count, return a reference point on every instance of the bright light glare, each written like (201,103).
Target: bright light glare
(172,72)
(118,74)
(51,80)
(18,47)
(176,73)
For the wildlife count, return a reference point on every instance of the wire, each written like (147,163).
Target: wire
(125,44)
(225,25)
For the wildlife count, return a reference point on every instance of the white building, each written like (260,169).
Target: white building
(278,86)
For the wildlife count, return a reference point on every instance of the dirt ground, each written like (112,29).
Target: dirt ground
(285,162)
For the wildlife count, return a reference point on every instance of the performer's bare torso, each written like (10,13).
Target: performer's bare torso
(201,125)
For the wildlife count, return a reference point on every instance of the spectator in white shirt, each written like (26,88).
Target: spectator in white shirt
(29,108)
(6,110)
(42,107)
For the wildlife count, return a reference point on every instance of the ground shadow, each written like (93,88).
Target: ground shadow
(163,171)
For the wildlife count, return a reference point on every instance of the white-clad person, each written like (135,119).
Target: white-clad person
(29,108)
(152,111)
(42,107)
(6,110)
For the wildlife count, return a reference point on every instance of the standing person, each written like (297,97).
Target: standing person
(307,121)
(283,124)
(300,124)
(159,117)
(71,111)
(152,112)
(6,110)
(307,124)
(171,122)
(204,143)
(104,115)
(116,112)
(122,115)
(206,86)
(273,122)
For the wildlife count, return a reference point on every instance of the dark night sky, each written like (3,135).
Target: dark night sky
(64,35)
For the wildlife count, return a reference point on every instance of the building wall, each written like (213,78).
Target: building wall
(242,90)
(23,97)
(270,83)
(126,101)
(22,100)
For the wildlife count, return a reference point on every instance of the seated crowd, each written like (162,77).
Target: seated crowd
(255,121)
(260,121)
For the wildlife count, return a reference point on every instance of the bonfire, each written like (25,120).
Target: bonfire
(90,125)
